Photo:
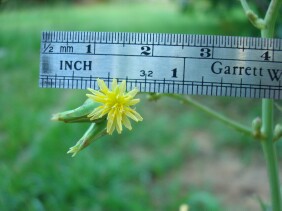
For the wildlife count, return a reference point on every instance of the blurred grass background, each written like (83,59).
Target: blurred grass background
(176,155)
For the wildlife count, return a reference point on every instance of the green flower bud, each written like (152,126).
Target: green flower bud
(256,126)
(77,115)
(94,132)
(277,132)
(255,20)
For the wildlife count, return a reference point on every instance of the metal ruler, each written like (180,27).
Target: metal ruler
(163,63)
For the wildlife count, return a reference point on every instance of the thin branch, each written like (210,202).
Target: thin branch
(233,124)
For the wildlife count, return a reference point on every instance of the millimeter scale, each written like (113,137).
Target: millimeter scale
(163,63)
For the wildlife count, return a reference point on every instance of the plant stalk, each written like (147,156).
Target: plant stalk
(269,148)
(270,153)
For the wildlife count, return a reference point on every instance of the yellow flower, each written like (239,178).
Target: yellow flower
(116,103)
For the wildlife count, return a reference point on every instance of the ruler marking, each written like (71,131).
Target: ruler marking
(131,85)
(90,81)
(55,80)
(95,86)
(108,79)
(202,85)
(145,83)
(41,82)
(126,82)
(279,92)
(51,82)
(64,79)
(260,89)
(240,91)
(221,86)
(264,92)
(207,88)
(85,84)
(159,87)
(183,76)
(47,81)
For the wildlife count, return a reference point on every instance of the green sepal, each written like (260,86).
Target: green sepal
(94,132)
(77,115)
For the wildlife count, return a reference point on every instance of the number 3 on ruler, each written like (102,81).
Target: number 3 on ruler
(206,52)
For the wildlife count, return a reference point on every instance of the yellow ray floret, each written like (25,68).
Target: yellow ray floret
(116,104)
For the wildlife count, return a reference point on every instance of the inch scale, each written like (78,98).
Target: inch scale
(163,63)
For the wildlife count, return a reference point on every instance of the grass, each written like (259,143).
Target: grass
(121,172)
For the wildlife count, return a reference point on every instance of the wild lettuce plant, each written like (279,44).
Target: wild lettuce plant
(109,110)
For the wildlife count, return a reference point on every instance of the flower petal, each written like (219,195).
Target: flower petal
(118,122)
(103,86)
(132,93)
(114,84)
(133,114)
(122,87)
(111,118)
(126,122)
(132,102)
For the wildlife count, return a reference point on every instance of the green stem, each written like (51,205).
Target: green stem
(188,101)
(270,18)
(268,145)
(270,153)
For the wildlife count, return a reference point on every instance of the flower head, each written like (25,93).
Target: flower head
(116,104)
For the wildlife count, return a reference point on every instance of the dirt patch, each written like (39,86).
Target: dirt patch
(235,183)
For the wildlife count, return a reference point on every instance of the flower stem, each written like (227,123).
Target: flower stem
(189,101)
(268,145)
